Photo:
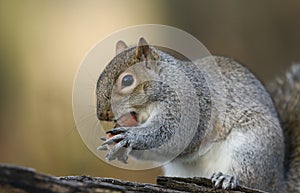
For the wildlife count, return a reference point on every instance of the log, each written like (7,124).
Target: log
(16,179)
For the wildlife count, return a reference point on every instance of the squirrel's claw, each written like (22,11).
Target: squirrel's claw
(110,141)
(102,138)
(121,147)
(224,181)
(103,147)
(114,139)
(119,152)
(117,130)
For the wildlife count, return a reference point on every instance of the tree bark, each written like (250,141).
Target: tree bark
(16,179)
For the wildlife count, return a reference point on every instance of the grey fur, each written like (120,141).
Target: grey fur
(197,111)
(286,95)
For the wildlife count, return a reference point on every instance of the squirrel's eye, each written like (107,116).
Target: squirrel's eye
(127,80)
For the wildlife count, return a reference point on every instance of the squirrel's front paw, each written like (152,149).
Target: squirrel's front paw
(224,181)
(119,138)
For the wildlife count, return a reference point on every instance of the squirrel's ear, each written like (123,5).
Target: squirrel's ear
(120,47)
(143,50)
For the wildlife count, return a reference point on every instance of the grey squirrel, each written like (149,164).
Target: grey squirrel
(242,142)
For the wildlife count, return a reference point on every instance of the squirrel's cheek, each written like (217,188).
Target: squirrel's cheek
(143,116)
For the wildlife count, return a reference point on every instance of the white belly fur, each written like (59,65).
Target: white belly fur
(217,159)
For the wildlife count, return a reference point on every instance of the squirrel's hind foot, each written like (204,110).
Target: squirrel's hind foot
(224,181)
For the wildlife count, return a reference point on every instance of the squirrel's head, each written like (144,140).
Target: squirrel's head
(122,85)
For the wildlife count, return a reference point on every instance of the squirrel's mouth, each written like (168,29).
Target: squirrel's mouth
(127,120)
(132,118)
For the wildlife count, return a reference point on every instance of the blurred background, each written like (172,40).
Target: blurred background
(44,41)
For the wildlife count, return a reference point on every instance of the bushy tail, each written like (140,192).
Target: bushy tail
(286,95)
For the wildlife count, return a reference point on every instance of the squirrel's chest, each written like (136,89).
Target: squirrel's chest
(218,159)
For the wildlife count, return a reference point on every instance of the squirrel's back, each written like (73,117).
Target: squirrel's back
(286,95)
(285,92)
(250,127)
